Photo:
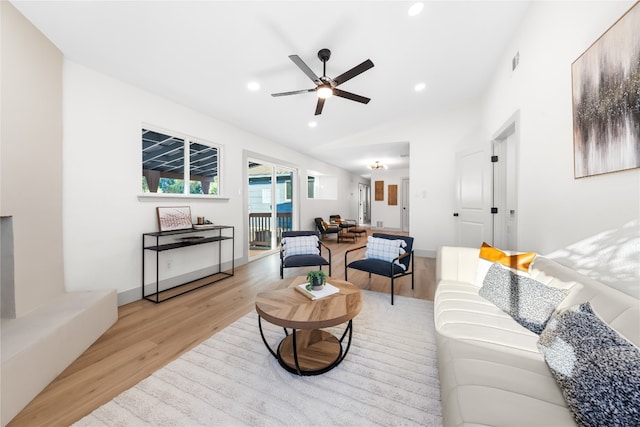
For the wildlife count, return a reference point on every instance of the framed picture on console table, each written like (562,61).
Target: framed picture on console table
(606,100)
(174,218)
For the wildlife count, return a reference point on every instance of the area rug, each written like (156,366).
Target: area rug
(389,378)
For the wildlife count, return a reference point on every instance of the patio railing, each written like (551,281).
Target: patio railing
(260,228)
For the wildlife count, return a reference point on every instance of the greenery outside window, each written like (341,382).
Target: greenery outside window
(168,161)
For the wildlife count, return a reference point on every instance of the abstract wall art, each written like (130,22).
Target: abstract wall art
(174,218)
(606,100)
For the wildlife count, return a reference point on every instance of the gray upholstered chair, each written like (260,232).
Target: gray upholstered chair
(387,268)
(300,249)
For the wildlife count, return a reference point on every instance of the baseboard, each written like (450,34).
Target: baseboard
(135,294)
(424,253)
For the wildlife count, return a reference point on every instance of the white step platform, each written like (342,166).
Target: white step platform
(37,347)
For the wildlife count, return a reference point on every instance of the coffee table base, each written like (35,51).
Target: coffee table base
(310,351)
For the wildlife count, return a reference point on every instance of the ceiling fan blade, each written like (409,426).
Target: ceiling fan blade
(305,68)
(319,106)
(351,96)
(295,92)
(358,69)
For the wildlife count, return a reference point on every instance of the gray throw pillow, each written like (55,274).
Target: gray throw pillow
(596,368)
(528,301)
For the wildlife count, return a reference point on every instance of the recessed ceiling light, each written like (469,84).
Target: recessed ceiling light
(415,9)
(253,86)
(313,124)
(420,87)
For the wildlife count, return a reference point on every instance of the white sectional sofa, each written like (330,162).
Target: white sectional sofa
(491,371)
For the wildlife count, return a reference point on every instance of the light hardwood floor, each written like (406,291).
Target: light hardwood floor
(147,336)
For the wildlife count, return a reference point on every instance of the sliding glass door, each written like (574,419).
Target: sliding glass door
(270,189)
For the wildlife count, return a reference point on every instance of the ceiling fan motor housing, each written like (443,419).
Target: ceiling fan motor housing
(324,54)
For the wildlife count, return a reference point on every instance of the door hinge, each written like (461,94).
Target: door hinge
(494,159)
(494,210)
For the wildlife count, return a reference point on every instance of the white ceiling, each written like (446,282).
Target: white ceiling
(202,54)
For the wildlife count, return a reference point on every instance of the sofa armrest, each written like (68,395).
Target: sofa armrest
(457,264)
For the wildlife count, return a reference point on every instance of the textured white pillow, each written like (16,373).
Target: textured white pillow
(300,245)
(385,249)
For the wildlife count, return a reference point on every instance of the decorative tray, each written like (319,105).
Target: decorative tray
(192,239)
(203,226)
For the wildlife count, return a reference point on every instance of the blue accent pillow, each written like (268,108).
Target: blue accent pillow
(528,301)
(597,369)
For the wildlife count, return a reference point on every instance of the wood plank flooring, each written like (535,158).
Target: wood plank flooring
(147,336)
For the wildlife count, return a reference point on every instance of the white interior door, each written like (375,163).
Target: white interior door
(364,204)
(405,204)
(473,198)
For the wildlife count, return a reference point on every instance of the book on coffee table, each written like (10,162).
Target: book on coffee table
(314,295)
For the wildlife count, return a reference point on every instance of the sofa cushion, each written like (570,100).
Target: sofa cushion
(377,266)
(597,369)
(528,301)
(480,330)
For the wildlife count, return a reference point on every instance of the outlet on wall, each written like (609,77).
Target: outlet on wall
(169,262)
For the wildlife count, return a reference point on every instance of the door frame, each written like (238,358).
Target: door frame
(505,182)
(295,203)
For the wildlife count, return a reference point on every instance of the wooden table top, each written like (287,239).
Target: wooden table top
(290,309)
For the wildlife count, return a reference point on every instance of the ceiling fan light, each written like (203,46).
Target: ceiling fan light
(377,165)
(324,92)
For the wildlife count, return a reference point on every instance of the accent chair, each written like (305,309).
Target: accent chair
(387,255)
(302,249)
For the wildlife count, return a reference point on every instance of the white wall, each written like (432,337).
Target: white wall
(434,140)
(591,224)
(389,215)
(31,177)
(103,216)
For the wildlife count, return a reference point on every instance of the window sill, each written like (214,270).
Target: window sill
(162,196)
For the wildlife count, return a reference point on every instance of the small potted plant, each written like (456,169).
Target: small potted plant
(316,280)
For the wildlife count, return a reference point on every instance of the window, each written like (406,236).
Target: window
(322,187)
(168,161)
(311,187)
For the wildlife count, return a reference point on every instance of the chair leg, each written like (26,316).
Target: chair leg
(391,290)
(412,275)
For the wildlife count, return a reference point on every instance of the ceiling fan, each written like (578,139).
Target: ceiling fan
(326,86)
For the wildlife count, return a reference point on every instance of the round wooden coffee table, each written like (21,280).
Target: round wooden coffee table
(308,350)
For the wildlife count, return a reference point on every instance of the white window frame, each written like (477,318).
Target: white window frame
(187,169)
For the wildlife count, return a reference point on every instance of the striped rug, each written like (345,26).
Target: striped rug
(389,378)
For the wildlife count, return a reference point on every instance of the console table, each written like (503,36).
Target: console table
(157,242)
